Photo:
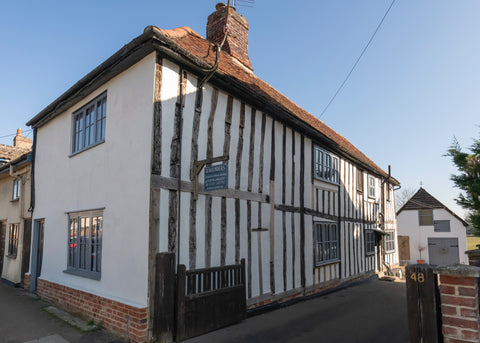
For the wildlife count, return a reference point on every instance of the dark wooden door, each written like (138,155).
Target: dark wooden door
(37,254)
(2,245)
(27,234)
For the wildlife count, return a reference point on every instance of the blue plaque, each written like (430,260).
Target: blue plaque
(216,177)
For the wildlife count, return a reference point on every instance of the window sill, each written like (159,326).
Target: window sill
(13,257)
(15,200)
(82,273)
(325,263)
(326,181)
(85,149)
(370,254)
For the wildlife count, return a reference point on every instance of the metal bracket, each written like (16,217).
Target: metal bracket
(198,166)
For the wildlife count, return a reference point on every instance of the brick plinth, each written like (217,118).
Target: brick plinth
(26,282)
(114,316)
(459,298)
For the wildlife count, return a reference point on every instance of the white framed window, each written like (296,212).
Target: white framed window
(89,124)
(369,242)
(326,243)
(371,186)
(13,241)
(359,181)
(389,241)
(16,189)
(85,235)
(425,217)
(325,165)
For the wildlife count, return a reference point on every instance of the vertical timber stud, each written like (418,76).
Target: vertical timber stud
(284,224)
(238,169)
(302,209)
(272,211)
(423,304)
(249,203)
(163,329)
(154,211)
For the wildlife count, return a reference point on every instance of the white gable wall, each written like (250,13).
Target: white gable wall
(408,225)
(114,175)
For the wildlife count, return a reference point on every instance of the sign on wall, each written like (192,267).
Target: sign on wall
(216,177)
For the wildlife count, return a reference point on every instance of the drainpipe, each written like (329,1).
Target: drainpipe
(32,177)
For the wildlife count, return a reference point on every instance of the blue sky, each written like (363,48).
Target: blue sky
(414,90)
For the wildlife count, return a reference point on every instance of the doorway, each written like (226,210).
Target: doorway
(37,253)
(443,251)
(2,245)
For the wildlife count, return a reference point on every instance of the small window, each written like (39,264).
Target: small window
(89,124)
(425,217)
(441,226)
(85,244)
(371,186)
(326,249)
(359,181)
(387,192)
(325,165)
(389,241)
(16,189)
(369,242)
(13,241)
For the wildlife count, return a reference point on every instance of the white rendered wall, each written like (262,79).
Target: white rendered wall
(408,225)
(114,175)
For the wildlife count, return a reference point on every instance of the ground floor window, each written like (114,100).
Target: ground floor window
(370,242)
(389,241)
(326,243)
(13,241)
(85,244)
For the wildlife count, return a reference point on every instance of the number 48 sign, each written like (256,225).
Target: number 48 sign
(418,277)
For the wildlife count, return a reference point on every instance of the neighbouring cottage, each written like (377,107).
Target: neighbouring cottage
(173,145)
(15,216)
(430,232)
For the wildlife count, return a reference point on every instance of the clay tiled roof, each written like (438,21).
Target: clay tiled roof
(10,152)
(198,46)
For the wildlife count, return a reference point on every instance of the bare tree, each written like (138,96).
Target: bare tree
(403,195)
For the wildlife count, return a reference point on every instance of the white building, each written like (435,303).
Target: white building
(116,164)
(429,231)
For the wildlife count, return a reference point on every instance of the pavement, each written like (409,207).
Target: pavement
(372,311)
(24,319)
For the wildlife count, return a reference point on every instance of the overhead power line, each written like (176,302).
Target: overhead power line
(356,62)
(14,134)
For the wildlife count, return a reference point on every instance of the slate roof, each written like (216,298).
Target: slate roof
(422,200)
(188,47)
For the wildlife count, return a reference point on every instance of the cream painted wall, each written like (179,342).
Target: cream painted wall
(407,222)
(14,212)
(114,175)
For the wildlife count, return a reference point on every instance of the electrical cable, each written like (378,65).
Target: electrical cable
(14,134)
(356,62)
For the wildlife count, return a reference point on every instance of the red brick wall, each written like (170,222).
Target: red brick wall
(119,318)
(460,317)
(26,282)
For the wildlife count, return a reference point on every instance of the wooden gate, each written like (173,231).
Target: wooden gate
(209,298)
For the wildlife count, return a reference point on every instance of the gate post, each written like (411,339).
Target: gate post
(164,319)
(423,303)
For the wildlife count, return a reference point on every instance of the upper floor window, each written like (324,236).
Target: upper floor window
(16,189)
(390,241)
(85,244)
(441,226)
(387,192)
(371,186)
(369,242)
(325,165)
(326,249)
(425,217)
(13,241)
(359,180)
(89,124)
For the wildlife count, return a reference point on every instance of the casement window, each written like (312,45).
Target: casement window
(387,192)
(326,243)
(369,242)
(389,241)
(85,244)
(371,186)
(13,241)
(425,217)
(325,165)
(359,181)
(89,124)
(16,189)
(441,226)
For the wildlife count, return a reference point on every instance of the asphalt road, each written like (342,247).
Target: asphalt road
(370,312)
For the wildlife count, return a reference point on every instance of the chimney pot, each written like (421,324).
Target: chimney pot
(22,142)
(19,132)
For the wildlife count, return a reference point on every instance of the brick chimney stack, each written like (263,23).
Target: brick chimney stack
(22,142)
(236,43)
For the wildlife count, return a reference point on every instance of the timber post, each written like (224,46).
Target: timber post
(163,329)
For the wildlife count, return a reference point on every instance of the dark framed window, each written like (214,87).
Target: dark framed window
(16,189)
(425,217)
(371,186)
(441,226)
(326,243)
(89,124)
(369,242)
(359,181)
(387,192)
(325,165)
(85,244)
(389,241)
(13,241)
